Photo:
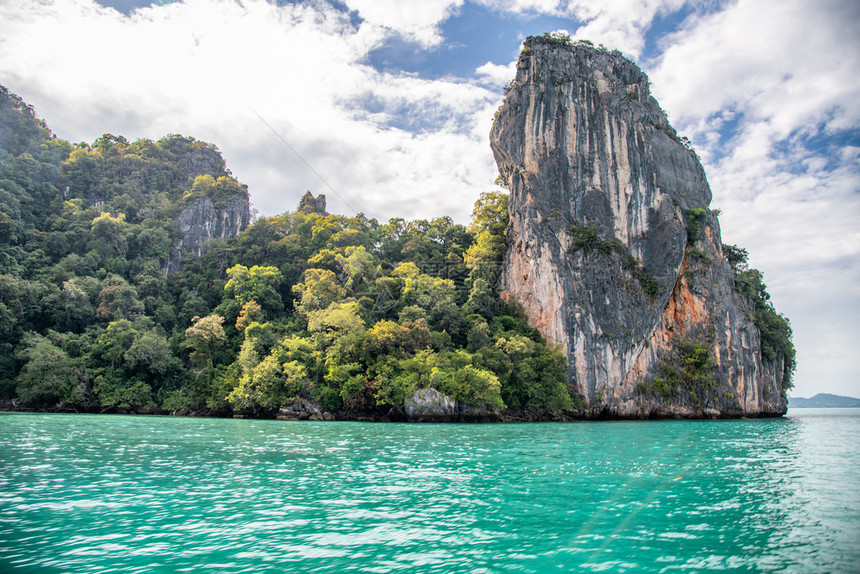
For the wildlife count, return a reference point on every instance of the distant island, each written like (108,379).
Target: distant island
(823,401)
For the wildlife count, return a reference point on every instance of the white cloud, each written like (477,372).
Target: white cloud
(786,72)
(550,7)
(496,73)
(416,21)
(207,68)
(792,62)
(618,24)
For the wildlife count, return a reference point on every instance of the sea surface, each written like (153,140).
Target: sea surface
(102,493)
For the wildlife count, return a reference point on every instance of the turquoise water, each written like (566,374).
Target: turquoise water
(100,493)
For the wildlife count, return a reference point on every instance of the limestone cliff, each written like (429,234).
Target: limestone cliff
(612,251)
(216,206)
(203,221)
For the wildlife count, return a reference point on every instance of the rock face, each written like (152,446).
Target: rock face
(429,405)
(202,222)
(612,251)
(303,411)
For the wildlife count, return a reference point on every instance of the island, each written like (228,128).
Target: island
(133,280)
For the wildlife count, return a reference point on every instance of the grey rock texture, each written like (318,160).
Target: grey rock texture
(202,222)
(429,405)
(303,411)
(588,152)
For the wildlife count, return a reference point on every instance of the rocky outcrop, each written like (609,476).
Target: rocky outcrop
(429,405)
(310,204)
(303,411)
(612,251)
(202,222)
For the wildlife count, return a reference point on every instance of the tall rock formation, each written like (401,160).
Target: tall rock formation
(612,251)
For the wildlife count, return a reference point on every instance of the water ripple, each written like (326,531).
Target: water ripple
(81,493)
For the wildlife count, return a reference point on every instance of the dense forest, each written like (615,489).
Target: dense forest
(343,312)
(346,313)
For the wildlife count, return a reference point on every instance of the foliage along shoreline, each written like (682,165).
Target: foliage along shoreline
(346,313)
(347,316)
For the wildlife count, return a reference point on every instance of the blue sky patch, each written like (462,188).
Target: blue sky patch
(474,35)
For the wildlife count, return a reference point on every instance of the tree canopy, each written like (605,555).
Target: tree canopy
(345,311)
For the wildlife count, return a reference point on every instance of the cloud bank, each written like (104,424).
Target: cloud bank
(232,73)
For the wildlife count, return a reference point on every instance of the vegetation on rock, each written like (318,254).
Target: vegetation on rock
(345,311)
(586,238)
(775,329)
(691,368)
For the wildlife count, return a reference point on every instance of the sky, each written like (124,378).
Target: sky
(385,106)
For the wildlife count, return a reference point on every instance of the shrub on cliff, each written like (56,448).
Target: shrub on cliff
(775,329)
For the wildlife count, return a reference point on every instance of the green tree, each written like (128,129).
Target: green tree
(204,338)
(49,376)
(337,330)
(110,230)
(260,284)
(220,191)
(478,387)
(73,310)
(115,390)
(490,213)
(271,384)
(317,291)
(111,346)
(118,300)
(251,313)
(150,354)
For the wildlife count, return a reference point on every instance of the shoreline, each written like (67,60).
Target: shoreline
(399,416)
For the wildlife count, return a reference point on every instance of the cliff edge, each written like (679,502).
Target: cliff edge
(612,250)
